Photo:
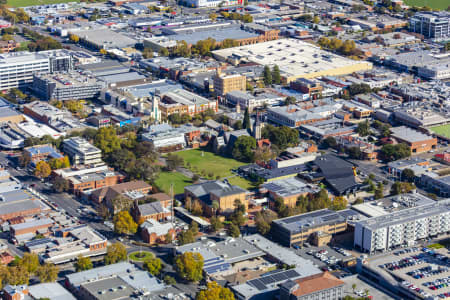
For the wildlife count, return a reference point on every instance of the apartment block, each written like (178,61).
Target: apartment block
(81,152)
(404,227)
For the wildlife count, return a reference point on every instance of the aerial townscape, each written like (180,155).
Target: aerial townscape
(224,149)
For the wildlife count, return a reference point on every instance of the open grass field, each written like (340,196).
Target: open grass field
(435,4)
(212,164)
(179,182)
(443,130)
(24,3)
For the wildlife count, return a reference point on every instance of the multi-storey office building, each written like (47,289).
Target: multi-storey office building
(81,152)
(17,68)
(433,24)
(403,227)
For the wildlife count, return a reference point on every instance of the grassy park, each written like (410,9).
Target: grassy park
(435,4)
(179,182)
(206,163)
(24,3)
(443,130)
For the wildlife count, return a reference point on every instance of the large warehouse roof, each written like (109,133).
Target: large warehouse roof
(296,59)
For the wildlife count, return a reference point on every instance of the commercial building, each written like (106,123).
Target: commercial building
(211,3)
(104,39)
(310,87)
(10,115)
(317,227)
(292,116)
(435,183)
(81,152)
(403,227)
(332,127)
(318,286)
(433,24)
(417,141)
(165,138)
(19,203)
(250,101)
(180,101)
(30,227)
(419,117)
(219,256)
(68,86)
(295,58)
(211,191)
(116,281)
(69,243)
(44,112)
(84,179)
(41,152)
(289,189)
(8,46)
(17,68)
(133,190)
(153,232)
(336,172)
(224,84)
(50,290)
(158,210)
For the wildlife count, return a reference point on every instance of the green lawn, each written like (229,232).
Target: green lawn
(23,3)
(200,161)
(140,255)
(443,130)
(179,182)
(436,4)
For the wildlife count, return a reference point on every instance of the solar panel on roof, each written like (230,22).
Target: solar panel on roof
(330,217)
(279,277)
(257,284)
(291,274)
(266,279)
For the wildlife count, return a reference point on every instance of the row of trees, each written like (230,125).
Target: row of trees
(246,18)
(347,47)
(271,76)
(40,42)
(20,270)
(17,16)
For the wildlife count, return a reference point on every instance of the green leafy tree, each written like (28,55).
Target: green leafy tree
(363,128)
(338,203)
(174,161)
(30,261)
(47,272)
(281,136)
(216,224)
(124,223)
(246,123)
(83,264)
(186,237)
(408,175)
(243,148)
(401,187)
(115,253)
(234,230)
(267,75)
(394,152)
(169,280)
(290,100)
(60,185)
(354,152)
(189,266)
(153,266)
(214,291)
(276,77)
(379,191)
(107,140)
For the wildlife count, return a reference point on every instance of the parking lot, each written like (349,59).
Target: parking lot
(423,271)
(325,256)
(361,287)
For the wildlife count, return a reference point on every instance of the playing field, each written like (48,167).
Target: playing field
(207,163)
(443,130)
(435,4)
(24,3)
(179,182)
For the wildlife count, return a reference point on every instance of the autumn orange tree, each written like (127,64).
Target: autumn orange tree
(43,169)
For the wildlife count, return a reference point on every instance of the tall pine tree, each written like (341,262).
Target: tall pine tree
(276,77)
(267,74)
(246,123)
